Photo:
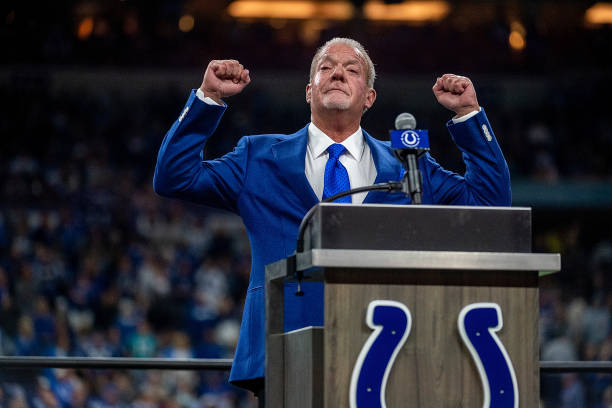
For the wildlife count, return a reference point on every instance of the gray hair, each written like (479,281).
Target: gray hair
(371,72)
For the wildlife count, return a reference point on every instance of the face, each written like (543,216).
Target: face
(340,82)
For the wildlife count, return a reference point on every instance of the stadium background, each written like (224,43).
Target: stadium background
(93,263)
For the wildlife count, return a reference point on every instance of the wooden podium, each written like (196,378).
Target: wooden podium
(435,260)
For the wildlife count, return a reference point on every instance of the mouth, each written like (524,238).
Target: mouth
(338,90)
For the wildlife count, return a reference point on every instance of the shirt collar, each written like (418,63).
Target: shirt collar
(318,142)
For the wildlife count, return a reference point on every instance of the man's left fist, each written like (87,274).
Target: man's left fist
(456,93)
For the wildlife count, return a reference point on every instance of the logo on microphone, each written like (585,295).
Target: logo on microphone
(410,138)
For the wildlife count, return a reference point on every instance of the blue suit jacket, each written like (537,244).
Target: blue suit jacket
(263,181)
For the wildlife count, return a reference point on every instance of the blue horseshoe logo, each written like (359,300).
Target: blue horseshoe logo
(391,322)
(477,325)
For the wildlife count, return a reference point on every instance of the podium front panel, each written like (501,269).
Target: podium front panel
(434,367)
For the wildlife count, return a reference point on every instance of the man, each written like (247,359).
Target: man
(271,181)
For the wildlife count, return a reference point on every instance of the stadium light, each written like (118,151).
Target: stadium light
(599,13)
(292,9)
(85,28)
(186,23)
(408,11)
(516,39)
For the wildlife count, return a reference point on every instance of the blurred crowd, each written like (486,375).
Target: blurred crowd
(576,312)
(94,264)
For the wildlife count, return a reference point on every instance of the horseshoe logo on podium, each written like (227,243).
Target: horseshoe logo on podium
(391,321)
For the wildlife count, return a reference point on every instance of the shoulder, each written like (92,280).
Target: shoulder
(265,138)
(268,139)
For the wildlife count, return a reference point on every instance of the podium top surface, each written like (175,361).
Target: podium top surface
(449,260)
(419,228)
(315,260)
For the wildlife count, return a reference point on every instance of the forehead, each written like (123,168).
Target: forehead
(342,52)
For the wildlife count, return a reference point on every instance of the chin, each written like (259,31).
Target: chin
(335,104)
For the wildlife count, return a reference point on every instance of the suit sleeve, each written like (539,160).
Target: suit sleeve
(181,172)
(486,180)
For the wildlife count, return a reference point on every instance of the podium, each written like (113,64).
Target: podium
(441,263)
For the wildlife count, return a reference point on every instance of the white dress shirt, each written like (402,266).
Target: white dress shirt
(357,159)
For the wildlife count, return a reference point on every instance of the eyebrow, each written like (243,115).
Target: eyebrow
(354,61)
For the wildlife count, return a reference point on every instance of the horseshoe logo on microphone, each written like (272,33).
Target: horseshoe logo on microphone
(410,138)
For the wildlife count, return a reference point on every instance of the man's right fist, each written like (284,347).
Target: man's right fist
(224,78)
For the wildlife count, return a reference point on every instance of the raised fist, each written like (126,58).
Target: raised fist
(456,93)
(224,78)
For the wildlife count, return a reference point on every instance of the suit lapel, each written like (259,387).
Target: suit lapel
(387,168)
(290,156)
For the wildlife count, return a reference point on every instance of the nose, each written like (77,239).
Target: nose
(338,73)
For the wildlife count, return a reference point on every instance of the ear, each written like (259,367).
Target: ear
(370,98)
(308,93)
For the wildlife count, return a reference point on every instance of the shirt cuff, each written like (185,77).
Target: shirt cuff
(206,99)
(461,118)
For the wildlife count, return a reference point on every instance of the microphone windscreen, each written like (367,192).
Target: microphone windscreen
(405,121)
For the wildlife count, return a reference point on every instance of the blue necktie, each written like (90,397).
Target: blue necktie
(336,178)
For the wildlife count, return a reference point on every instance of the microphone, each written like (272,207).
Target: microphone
(408,145)
(405,121)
